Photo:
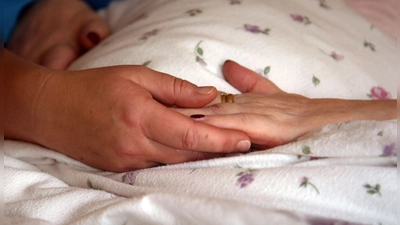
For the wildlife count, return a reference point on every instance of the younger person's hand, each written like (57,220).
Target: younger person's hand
(53,33)
(113,118)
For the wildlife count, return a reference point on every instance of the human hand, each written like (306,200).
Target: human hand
(272,117)
(111,118)
(53,33)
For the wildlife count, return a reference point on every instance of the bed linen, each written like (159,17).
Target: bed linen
(339,174)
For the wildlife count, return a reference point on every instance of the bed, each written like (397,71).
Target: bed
(343,173)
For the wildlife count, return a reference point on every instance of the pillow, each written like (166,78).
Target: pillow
(315,48)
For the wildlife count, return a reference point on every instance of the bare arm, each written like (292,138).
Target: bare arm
(273,117)
(113,118)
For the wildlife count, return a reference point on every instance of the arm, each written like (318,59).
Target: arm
(112,118)
(272,117)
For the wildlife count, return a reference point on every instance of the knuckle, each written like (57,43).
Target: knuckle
(195,156)
(218,108)
(190,139)
(243,119)
(179,86)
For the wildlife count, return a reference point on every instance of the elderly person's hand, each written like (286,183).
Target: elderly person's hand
(53,33)
(113,118)
(272,117)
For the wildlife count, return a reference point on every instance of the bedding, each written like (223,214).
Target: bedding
(342,173)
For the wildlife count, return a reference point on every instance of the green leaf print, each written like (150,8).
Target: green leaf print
(146,63)
(373,189)
(199,54)
(200,51)
(267,70)
(305,182)
(369,45)
(306,150)
(316,81)
(90,185)
(194,12)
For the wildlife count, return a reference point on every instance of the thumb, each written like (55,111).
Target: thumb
(171,90)
(93,33)
(246,80)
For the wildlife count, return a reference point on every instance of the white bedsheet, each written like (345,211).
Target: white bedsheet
(341,172)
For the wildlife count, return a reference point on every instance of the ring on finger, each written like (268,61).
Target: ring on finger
(227,98)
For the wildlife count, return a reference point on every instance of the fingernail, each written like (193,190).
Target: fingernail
(93,37)
(229,61)
(205,90)
(197,117)
(243,145)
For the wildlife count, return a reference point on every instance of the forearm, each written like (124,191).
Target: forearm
(22,83)
(376,110)
(337,110)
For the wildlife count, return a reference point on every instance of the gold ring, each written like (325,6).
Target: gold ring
(227,98)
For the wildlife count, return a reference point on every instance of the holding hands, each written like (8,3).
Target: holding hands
(117,118)
(128,117)
(113,118)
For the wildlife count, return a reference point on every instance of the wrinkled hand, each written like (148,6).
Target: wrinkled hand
(272,117)
(53,33)
(112,118)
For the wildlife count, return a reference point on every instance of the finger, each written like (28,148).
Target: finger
(181,132)
(244,103)
(264,131)
(166,155)
(93,33)
(59,57)
(173,91)
(246,80)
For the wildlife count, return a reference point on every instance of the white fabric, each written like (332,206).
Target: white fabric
(164,33)
(43,184)
(341,172)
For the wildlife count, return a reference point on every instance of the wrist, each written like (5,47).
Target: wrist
(24,85)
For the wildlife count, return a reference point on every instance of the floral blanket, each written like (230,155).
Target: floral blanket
(342,173)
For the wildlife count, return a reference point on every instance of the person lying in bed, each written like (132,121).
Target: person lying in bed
(134,117)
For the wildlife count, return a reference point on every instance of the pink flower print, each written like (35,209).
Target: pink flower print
(301,19)
(252,28)
(337,56)
(245,179)
(378,92)
(130,177)
(389,150)
(256,29)
(149,34)
(297,18)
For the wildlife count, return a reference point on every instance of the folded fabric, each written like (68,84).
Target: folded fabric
(341,172)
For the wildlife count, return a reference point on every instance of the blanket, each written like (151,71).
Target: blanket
(339,172)
(342,173)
